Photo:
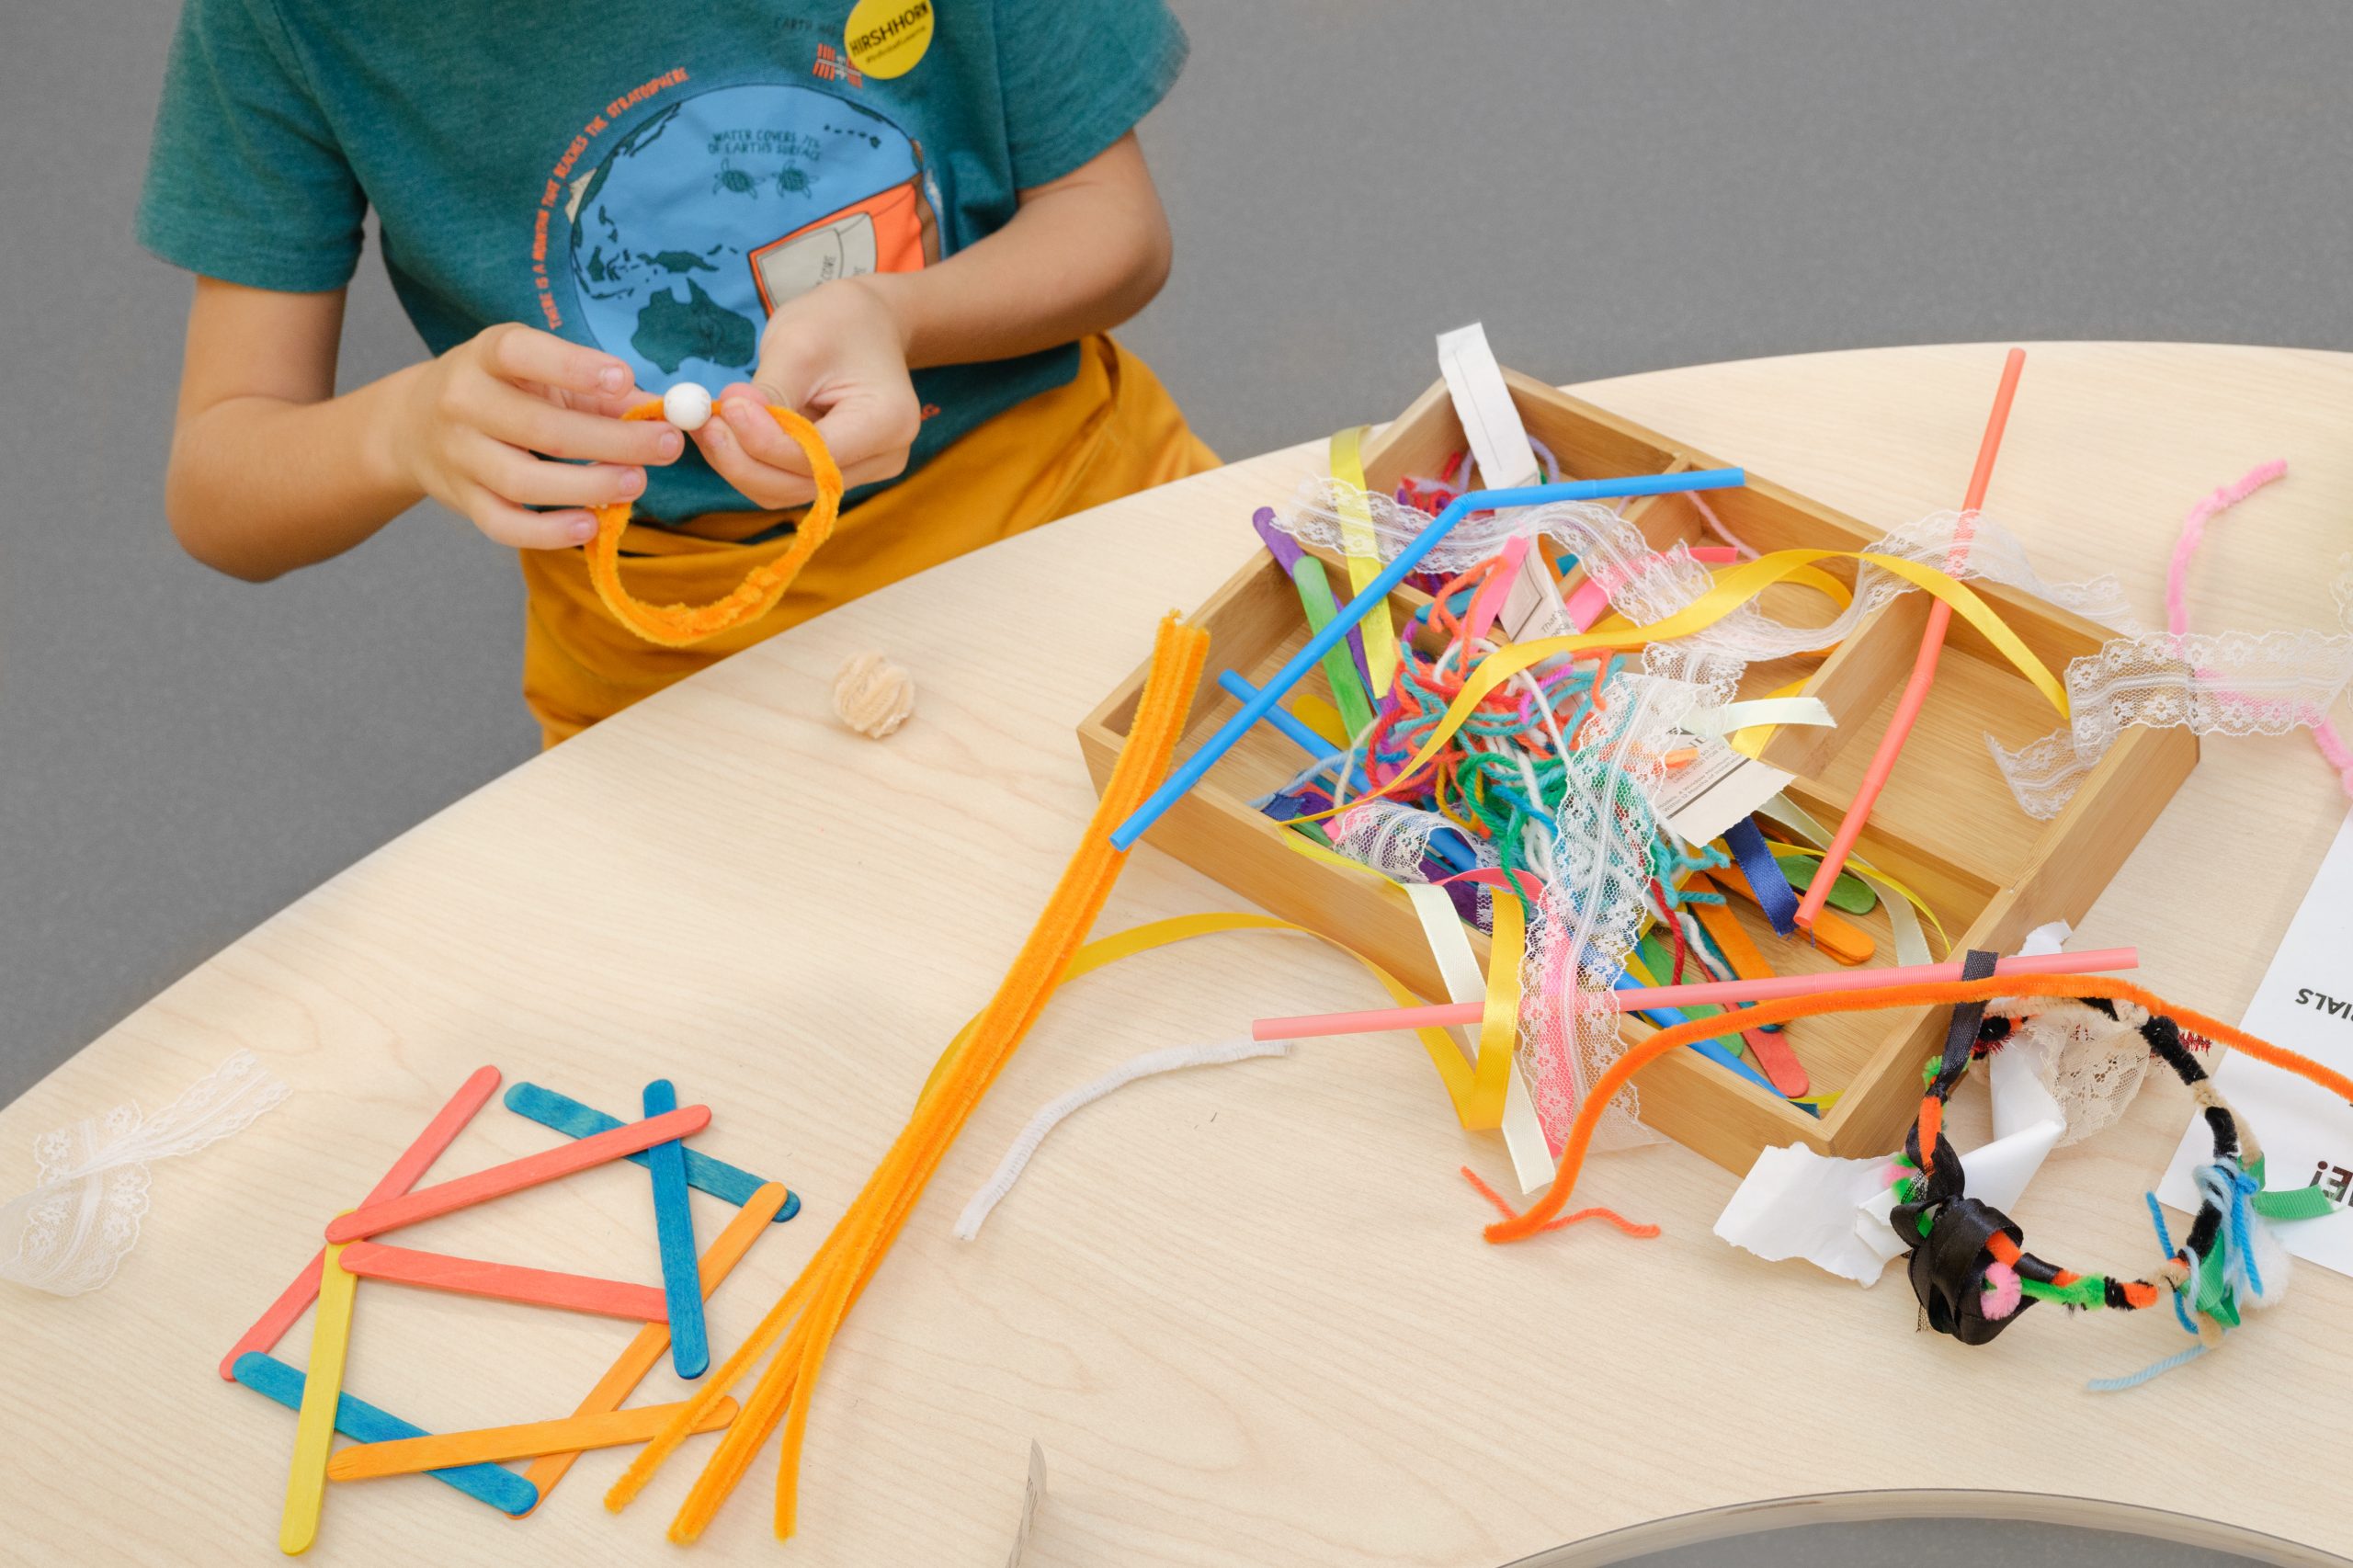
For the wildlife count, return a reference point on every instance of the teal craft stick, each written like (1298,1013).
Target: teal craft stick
(572,1119)
(674,1230)
(362,1422)
(1348,693)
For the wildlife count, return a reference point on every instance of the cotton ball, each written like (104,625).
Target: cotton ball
(687,405)
(874,696)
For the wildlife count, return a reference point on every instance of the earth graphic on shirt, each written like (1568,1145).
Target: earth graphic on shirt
(701,220)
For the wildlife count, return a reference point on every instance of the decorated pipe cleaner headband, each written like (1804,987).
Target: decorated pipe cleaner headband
(682,626)
(1969,1266)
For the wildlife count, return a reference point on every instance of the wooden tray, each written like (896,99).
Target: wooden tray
(1945,825)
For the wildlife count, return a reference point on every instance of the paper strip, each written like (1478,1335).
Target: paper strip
(1483,401)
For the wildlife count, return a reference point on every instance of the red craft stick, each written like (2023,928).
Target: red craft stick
(1924,663)
(517,1175)
(439,1134)
(507,1282)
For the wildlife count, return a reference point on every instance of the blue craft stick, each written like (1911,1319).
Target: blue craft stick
(1307,739)
(1376,593)
(674,1231)
(572,1119)
(1668,1018)
(362,1422)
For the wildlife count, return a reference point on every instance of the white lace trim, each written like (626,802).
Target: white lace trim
(76,1225)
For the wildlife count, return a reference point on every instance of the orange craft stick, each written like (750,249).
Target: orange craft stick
(507,1282)
(271,1327)
(517,1175)
(1774,1058)
(440,1450)
(1923,664)
(652,1341)
(1833,932)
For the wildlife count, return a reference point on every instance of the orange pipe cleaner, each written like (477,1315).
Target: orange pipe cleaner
(1529,1221)
(682,626)
(812,1310)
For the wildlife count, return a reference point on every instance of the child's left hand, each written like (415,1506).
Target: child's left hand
(839,353)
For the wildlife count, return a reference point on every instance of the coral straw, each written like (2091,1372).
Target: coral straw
(1723,991)
(1923,664)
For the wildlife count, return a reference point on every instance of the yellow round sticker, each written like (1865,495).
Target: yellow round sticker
(886,37)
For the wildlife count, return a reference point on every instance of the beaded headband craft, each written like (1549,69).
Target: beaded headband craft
(1969,1267)
(1969,1264)
(682,626)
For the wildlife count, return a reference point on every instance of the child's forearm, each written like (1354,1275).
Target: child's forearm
(1083,255)
(259,485)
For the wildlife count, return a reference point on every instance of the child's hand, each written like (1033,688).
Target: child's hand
(840,352)
(475,429)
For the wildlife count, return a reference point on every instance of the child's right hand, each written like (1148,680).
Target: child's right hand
(476,429)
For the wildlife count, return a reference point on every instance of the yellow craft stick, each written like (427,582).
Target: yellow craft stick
(652,1341)
(1363,550)
(440,1450)
(306,1478)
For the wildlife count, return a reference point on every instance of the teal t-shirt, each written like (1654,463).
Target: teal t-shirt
(649,177)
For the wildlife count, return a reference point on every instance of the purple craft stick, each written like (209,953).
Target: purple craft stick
(1287,554)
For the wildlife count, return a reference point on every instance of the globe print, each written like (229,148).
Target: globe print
(664,227)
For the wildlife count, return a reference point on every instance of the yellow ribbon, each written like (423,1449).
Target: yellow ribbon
(1363,550)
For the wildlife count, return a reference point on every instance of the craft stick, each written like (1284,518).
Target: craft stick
(356,1419)
(517,1175)
(608,1429)
(1774,1057)
(271,1327)
(507,1282)
(637,1358)
(1923,664)
(1316,598)
(1447,1014)
(1834,934)
(674,1231)
(565,1115)
(1287,554)
(306,1475)
(1374,595)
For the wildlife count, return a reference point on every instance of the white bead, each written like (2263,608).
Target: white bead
(687,405)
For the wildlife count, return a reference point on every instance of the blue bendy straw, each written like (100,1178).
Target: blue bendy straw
(1188,773)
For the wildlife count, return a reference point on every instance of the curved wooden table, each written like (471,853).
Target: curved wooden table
(1246,1312)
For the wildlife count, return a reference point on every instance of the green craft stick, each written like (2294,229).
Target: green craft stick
(1347,692)
(1849,892)
(1659,958)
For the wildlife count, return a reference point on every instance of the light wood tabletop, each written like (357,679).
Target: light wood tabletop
(1245,1311)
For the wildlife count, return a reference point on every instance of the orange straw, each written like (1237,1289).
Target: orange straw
(1923,664)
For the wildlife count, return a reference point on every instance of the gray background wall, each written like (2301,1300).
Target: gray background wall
(1613,186)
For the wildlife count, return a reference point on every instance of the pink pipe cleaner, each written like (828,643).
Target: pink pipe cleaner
(2193,533)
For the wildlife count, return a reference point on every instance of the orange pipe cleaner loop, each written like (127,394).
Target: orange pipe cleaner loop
(682,626)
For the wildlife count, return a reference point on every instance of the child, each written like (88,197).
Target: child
(916,224)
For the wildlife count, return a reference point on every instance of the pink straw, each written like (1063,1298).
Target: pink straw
(1722,992)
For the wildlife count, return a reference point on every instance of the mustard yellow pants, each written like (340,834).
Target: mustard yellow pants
(1112,431)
